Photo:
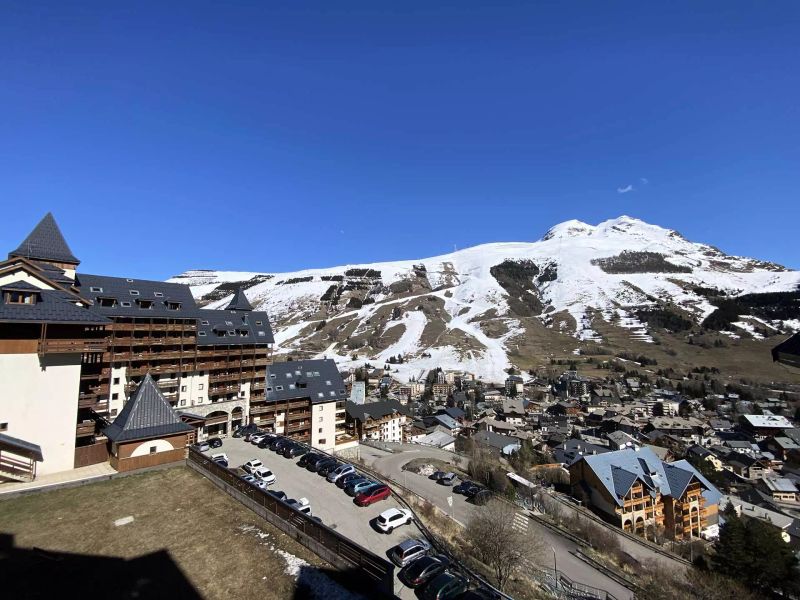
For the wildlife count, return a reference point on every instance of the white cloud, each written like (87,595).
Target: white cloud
(644,180)
(625,190)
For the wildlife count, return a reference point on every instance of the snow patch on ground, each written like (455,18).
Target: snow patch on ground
(314,583)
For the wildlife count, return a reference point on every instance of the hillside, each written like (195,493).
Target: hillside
(622,285)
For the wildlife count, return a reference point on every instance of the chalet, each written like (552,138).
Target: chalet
(783,447)
(788,351)
(512,411)
(572,450)
(676,426)
(438,439)
(763,426)
(564,408)
(746,466)
(382,420)
(637,491)
(501,444)
(619,440)
(780,489)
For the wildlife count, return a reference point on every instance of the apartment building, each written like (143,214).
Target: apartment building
(640,493)
(75,347)
(382,420)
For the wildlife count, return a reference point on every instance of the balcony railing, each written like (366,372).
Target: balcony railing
(57,346)
(85,428)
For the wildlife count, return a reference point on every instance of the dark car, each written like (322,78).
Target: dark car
(482,497)
(422,570)
(343,482)
(479,594)
(265,442)
(303,462)
(278,494)
(324,462)
(277,443)
(294,450)
(327,467)
(462,487)
(444,586)
(215,442)
(437,475)
(243,431)
(473,490)
(311,461)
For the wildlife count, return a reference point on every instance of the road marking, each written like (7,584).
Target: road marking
(520,523)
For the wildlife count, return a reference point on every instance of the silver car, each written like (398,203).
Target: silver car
(408,551)
(340,471)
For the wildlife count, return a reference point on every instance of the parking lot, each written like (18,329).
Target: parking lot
(328,502)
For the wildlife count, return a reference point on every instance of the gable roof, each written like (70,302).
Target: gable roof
(239,301)
(52,306)
(617,471)
(318,380)
(790,349)
(46,242)
(146,415)
(374,410)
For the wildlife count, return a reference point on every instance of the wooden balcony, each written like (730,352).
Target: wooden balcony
(66,346)
(294,416)
(295,427)
(85,428)
(94,403)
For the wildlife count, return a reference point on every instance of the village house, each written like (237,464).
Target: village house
(638,492)
(512,411)
(780,489)
(382,420)
(763,426)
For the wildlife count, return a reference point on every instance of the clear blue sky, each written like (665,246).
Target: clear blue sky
(249,136)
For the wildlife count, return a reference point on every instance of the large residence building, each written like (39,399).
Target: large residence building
(640,493)
(74,348)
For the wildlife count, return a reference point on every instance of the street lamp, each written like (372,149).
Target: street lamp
(555,565)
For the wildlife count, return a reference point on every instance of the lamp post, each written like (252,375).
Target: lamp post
(555,566)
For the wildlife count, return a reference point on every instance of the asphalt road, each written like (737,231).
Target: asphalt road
(391,465)
(328,502)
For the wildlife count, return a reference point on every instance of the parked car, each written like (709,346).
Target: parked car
(244,430)
(422,570)
(373,494)
(215,442)
(264,475)
(448,479)
(473,489)
(278,494)
(359,486)
(340,471)
(482,497)
(255,438)
(249,479)
(316,465)
(251,465)
(444,586)
(391,519)
(462,487)
(266,440)
(302,505)
(295,450)
(220,458)
(408,551)
(202,447)
(346,480)
(273,443)
(260,483)
(325,467)
(437,475)
(309,456)
(279,444)
(479,594)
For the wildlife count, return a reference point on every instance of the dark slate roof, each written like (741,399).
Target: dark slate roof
(46,242)
(21,447)
(572,449)
(52,306)
(374,410)
(317,380)
(789,348)
(455,412)
(494,439)
(94,287)
(146,415)
(239,301)
(248,326)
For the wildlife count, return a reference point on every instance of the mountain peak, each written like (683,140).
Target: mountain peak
(567,229)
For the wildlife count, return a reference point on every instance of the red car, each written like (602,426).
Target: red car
(372,495)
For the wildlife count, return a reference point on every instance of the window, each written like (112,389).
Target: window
(107,302)
(203,322)
(309,374)
(172,305)
(199,399)
(183,402)
(145,304)
(115,396)
(261,333)
(129,280)
(322,442)
(231,332)
(316,373)
(291,386)
(298,372)
(258,323)
(183,388)
(134,292)
(95,289)
(269,388)
(158,294)
(321,395)
(125,303)
(201,333)
(332,393)
(272,375)
(152,449)
(328,382)
(184,375)
(116,380)
(3,426)
(279,388)
(113,412)
(320,419)
(320,430)
(288,376)
(21,297)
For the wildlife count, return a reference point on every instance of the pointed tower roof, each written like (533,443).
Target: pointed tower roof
(146,415)
(239,302)
(46,242)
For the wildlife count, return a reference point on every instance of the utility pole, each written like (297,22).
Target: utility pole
(555,567)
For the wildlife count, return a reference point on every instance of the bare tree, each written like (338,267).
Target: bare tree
(497,543)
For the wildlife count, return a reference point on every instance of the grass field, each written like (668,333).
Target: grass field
(222,548)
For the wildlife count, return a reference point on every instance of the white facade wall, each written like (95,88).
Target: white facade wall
(323,425)
(39,401)
(392,430)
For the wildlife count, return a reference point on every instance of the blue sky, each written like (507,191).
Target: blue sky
(255,136)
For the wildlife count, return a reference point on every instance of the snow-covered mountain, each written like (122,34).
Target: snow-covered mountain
(485,308)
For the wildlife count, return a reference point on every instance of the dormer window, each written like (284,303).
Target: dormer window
(107,302)
(96,290)
(19,297)
(158,294)
(203,322)
(172,305)
(145,304)
(134,292)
